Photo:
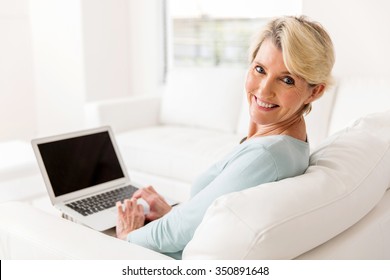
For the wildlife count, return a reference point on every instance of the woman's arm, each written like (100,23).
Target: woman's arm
(172,232)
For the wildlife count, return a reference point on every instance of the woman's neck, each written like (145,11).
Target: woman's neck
(294,127)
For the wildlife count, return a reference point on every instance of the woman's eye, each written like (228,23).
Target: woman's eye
(289,81)
(259,69)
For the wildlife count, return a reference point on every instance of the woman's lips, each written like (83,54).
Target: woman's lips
(264,105)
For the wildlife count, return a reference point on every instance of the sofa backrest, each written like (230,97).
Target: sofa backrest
(317,121)
(356,97)
(203,97)
(347,101)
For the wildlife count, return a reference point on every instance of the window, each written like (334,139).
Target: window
(218,32)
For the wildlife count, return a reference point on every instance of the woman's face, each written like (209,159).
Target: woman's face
(274,94)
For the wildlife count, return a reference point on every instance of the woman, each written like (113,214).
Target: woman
(291,63)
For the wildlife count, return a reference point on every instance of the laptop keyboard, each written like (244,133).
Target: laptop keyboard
(93,204)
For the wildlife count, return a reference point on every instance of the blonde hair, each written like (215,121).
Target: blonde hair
(306,47)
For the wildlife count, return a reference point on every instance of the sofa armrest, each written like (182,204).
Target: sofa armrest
(124,114)
(29,233)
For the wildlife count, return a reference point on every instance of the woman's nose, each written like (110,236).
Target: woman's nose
(265,88)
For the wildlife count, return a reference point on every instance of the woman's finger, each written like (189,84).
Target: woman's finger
(128,205)
(120,209)
(140,208)
(151,189)
(144,192)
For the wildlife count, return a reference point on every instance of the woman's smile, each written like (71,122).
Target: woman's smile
(264,105)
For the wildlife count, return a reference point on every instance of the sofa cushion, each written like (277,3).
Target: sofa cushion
(176,152)
(348,175)
(377,124)
(17,160)
(28,233)
(203,97)
(317,121)
(244,117)
(359,96)
(369,239)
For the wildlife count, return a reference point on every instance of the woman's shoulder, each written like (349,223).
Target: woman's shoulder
(278,148)
(289,155)
(274,142)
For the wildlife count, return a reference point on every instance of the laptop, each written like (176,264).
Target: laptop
(84,175)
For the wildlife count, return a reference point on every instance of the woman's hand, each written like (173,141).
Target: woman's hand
(157,204)
(130,218)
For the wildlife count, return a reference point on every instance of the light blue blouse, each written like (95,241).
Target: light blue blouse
(254,162)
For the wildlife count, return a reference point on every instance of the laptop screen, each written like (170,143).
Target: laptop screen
(77,163)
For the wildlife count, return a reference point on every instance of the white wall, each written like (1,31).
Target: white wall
(146,45)
(105,29)
(58,65)
(360,33)
(17,110)
(92,50)
(56,55)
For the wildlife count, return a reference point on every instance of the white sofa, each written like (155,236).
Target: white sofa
(338,209)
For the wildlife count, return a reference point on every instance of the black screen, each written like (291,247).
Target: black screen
(80,162)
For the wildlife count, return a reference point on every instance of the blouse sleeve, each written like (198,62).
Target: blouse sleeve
(172,232)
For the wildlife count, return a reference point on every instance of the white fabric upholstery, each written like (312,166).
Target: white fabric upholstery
(243,120)
(347,177)
(366,240)
(28,233)
(17,160)
(124,114)
(318,119)
(376,124)
(356,97)
(207,98)
(173,151)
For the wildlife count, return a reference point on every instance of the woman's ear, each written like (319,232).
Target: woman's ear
(316,92)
